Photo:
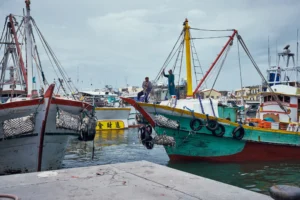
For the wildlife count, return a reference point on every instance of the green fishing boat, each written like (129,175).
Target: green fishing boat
(202,129)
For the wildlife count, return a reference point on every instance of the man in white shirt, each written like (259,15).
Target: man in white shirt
(147,87)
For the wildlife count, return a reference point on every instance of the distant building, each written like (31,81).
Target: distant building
(208,93)
(251,94)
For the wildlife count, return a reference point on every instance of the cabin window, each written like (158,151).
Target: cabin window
(265,99)
(270,98)
(212,97)
(207,97)
(287,99)
(280,97)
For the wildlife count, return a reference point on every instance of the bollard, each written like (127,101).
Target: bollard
(284,192)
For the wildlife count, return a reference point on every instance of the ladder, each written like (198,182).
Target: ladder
(197,66)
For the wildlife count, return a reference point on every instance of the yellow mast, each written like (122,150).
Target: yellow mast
(188,58)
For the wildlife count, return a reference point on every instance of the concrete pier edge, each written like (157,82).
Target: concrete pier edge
(132,180)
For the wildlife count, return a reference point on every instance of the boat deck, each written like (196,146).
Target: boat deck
(134,180)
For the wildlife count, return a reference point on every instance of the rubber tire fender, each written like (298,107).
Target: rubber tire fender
(222,127)
(214,123)
(192,123)
(149,144)
(149,129)
(143,133)
(241,134)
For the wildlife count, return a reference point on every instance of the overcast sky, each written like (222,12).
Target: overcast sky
(111,42)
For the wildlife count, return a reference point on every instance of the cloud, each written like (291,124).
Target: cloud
(133,38)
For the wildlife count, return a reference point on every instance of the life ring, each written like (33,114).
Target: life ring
(149,129)
(193,124)
(238,133)
(221,133)
(212,124)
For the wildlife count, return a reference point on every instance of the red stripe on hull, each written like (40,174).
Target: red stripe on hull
(67,102)
(17,104)
(251,152)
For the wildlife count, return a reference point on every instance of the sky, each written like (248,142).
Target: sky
(120,42)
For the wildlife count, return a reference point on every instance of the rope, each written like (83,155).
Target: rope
(195,71)
(199,29)
(181,59)
(201,105)
(241,78)
(10,196)
(221,66)
(2,34)
(202,38)
(55,59)
(163,67)
(260,73)
(211,104)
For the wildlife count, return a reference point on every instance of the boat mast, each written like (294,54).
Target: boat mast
(21,62)
(188,58)
(216,60)
(28,48)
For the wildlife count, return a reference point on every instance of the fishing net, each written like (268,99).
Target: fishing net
(67,120)
(164,140)
(88,124)
(165,122)
(18,126)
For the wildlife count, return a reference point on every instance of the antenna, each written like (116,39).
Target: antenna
(269,58)
(297,46)
(277,55)
(77,75)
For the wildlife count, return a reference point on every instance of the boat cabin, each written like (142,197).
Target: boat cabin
(288,97)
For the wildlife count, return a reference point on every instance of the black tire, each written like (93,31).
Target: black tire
(149,144)
(149,129)
(238,133)
(143,133)
(193,124)
(220,131)
(212,125)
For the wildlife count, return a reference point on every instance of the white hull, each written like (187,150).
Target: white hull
(107,113)
(70,106)
(20,155)
(132,117)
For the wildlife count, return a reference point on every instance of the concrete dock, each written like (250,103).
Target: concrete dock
(134,180)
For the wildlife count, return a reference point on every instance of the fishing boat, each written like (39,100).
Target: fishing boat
(26,110)
(200,129)
(110,112)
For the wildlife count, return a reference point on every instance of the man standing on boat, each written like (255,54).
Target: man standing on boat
(147,87)
(171,85)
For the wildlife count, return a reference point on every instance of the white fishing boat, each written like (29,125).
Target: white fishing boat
(35,125)
(110,112)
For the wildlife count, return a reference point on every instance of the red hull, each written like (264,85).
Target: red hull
(251,152)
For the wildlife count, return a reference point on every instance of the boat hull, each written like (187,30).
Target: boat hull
(257,144)
(115,114)
(20,155)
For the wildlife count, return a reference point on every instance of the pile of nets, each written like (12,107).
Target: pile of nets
(164,140)
(165,122)
(67,120)
(18,126)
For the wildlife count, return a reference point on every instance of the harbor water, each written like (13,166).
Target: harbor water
(118,146)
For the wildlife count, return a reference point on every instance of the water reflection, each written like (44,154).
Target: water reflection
(258,177)
(112,146)
(124,146)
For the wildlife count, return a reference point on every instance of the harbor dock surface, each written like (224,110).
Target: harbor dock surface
(133,180)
